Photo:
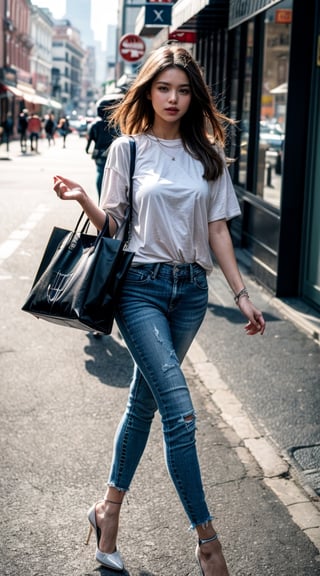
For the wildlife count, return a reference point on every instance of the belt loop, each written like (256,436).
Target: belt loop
(155,270)
(191,272)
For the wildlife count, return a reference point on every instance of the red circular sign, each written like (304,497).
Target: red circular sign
(132,47)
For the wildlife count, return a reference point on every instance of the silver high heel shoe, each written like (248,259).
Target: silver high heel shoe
(113,560)
(201,541)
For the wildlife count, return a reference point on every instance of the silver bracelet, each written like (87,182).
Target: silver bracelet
(243,292)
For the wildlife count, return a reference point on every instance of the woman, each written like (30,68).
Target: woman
(183,197)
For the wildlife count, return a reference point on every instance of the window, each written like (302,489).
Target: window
(273,103)
(246,104)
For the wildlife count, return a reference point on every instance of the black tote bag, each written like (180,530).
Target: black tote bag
(80,275)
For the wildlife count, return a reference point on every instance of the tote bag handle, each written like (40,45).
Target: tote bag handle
(125,229)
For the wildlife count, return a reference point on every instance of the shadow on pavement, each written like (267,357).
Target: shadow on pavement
(105,572)
(234,315)
(110,362)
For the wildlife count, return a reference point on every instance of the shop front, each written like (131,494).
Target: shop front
(273,78)
(14,99)
(262,61)
(16,95)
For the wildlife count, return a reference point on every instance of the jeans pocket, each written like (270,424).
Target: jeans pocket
(200,279)
(138,275)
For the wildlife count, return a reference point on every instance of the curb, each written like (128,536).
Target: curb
(277,472)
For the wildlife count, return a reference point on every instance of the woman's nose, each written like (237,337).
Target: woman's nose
(173,96)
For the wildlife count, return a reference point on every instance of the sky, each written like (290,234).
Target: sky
(98,24)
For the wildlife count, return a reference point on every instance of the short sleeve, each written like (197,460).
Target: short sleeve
(115,184)
(223,203)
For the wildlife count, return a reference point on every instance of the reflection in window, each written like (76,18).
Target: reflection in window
(235,75)
(244,127)
(234,96)
(274,102)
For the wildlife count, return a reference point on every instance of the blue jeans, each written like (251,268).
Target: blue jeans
(160,310)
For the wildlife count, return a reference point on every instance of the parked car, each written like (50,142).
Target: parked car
(272,135)
(80,126)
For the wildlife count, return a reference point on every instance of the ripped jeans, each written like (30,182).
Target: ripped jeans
(159,312)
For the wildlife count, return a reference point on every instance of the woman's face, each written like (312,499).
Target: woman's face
(170,95)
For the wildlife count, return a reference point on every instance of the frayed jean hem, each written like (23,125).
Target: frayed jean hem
(204,524)
(112,485)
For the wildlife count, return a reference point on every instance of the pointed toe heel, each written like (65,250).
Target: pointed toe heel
(113,560)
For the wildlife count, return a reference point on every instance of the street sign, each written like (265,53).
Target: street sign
(158,16)
(132,47)
(187,36)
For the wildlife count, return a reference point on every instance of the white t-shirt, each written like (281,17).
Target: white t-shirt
(172,202)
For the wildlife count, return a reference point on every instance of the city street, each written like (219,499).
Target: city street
(63,392)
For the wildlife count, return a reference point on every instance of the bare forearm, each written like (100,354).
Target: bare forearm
(222,247)
(95,214)
(68,190)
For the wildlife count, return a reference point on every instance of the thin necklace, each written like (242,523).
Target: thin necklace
(165,148)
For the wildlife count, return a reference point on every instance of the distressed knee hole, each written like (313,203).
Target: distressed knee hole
(189,421)
(189,417)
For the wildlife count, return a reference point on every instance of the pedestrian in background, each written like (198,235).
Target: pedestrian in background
(7,131)
(182,200)
(34,129)
(64,129)
(102,134)
(22,129)
(50,128)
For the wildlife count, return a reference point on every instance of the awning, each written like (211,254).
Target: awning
(30,95)
(195,15)
(200,15)
(14,90)
(240,10)
(54,104)
(36,99)
(281,89)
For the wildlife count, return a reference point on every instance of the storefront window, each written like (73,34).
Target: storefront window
(235,76)
(274,101)
(234,98)
(244,134)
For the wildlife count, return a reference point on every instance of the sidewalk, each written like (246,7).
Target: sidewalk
(297,487)
(303,316)
(15,150)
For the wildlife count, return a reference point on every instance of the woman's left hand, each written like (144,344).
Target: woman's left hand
(68,190)
(256,324)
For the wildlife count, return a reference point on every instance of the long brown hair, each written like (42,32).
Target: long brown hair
(202,125)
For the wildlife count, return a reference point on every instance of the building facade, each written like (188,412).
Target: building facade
(261,59)
(273,65)
(25,60)
(15,75)
(41,54)
(68,58)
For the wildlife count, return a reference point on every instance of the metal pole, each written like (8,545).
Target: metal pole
(5,34)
